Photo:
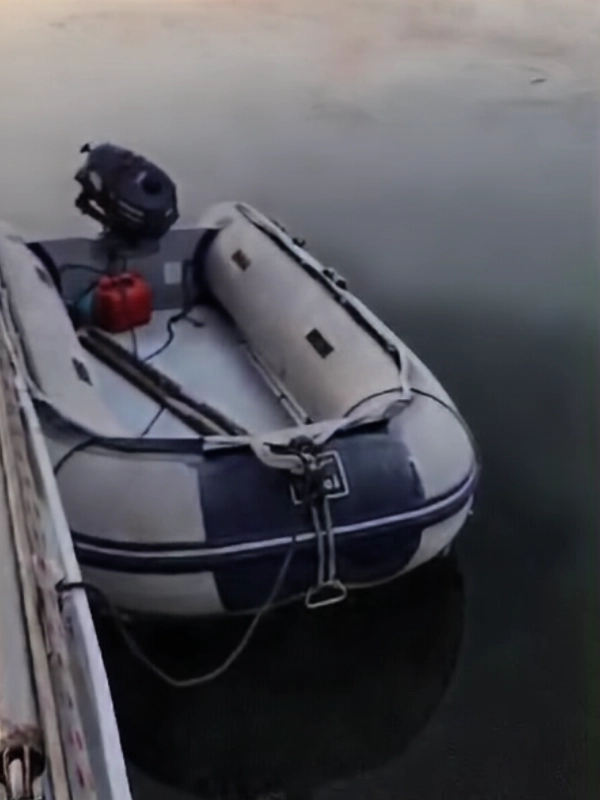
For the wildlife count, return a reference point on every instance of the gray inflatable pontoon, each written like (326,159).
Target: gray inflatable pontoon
(263,437)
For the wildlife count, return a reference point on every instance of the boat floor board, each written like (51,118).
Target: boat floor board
(210,362)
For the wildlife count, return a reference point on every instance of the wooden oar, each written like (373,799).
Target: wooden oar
(200,417)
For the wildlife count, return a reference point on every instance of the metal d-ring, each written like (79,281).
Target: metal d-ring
(334,591)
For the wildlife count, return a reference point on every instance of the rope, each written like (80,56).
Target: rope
(328,589)
(302,454)
(327,581)
(320,547)
(198,680)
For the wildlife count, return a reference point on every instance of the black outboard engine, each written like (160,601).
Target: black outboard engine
(131,197)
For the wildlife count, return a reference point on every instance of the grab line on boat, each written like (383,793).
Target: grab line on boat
(137,652)
(328,588)
(327,591)
(430,514)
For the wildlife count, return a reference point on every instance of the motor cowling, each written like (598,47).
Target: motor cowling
(129,195)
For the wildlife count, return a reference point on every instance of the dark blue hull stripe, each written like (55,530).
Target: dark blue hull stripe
(244,585)
(245,502)
(131,557)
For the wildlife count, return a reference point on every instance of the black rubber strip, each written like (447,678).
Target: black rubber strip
(160,562)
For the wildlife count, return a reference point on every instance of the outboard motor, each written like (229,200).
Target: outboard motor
(131,198)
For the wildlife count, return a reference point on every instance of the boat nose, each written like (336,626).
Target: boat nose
(8,231)
(439,444)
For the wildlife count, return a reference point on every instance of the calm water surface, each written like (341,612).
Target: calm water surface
(444,157)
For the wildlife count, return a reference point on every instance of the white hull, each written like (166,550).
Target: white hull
(184,525)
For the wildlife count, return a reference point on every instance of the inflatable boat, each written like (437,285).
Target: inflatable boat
(229,425)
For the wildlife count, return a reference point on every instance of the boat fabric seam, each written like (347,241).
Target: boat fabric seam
(203,447)
(19,356)
(343,298)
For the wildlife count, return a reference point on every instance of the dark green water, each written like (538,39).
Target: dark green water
(460,199)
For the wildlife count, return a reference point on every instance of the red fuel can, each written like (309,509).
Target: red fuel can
(122,302)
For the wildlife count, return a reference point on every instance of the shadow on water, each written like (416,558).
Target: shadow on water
(315,697)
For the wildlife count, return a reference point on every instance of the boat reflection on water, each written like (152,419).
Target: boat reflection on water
(317,696)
